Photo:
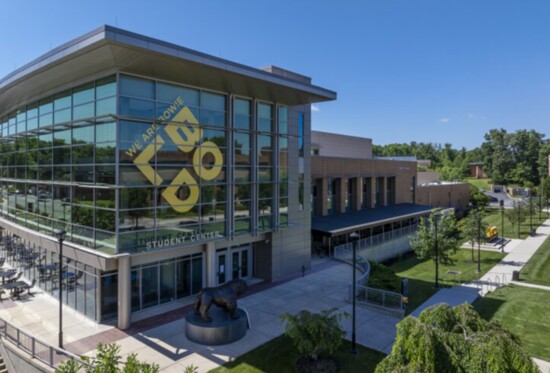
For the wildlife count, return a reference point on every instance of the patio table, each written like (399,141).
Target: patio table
(16,287)
(6,273)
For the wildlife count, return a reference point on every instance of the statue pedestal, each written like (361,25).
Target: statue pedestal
(221,330)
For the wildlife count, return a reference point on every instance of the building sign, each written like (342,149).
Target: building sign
(184,130)
(179,239)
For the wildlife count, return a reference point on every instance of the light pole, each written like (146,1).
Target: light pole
(519,222)
(531,215)
(478,218)
(540,199)
(354,238)
(502,225)
(60,234)
(436,218)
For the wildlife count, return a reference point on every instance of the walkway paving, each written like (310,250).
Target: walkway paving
(530,285)
(162,339)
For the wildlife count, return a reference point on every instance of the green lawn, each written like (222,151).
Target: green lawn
(493,218)
(279,355)
(537,269)
(523,311)
(480,183)
(421,273)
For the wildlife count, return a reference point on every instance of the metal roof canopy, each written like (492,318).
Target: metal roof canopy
(108,49)
(341,223)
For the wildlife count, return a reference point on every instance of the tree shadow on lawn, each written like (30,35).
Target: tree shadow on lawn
(493,261)
(419,292)
(487,306)
(404,262)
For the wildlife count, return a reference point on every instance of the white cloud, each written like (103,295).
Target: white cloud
(444,120)
(315,108)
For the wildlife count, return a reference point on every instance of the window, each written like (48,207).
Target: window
(265,115)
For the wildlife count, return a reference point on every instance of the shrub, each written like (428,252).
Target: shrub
(382,277)
(108,360)
(314,334)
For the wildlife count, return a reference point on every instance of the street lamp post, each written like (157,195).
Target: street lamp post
(531,215)
(478,217)
(540,199)
(436,217)
(519,222)
(60,234)
(502,225)
(355,238)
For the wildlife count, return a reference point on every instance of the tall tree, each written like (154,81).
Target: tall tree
(516,216)
(445,339)
(445,241)
(544,153)
(525,146)
(497,156)
(474,229)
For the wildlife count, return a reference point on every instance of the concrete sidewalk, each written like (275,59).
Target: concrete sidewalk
(530,285)
(162,340)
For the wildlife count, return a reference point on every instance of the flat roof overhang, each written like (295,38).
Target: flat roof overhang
(108,49)
(338,224)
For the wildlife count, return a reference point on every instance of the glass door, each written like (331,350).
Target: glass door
(221,268)
(240,263)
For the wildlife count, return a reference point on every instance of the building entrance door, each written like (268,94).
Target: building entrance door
(241,263)
(220,267)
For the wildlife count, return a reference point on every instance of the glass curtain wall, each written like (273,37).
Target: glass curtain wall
(80,281)
(165,281)
(243,127)
(282,165)
(173,152)
(57,164)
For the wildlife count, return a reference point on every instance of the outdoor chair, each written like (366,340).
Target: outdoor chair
(28,287)
(43,275)
(2,292)
(16,278)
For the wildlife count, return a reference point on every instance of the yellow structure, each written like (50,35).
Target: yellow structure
(491,232)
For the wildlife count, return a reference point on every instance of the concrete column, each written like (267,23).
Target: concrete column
(124,292)
(373,191)
(357,193)
(210,259)
(341,192)
(385,191)
(323,195)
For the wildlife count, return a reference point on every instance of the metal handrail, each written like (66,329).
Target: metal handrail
(388,299)
(36,348)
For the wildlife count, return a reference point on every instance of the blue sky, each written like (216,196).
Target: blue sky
(443,71)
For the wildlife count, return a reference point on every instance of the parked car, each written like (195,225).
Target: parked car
(42,196)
